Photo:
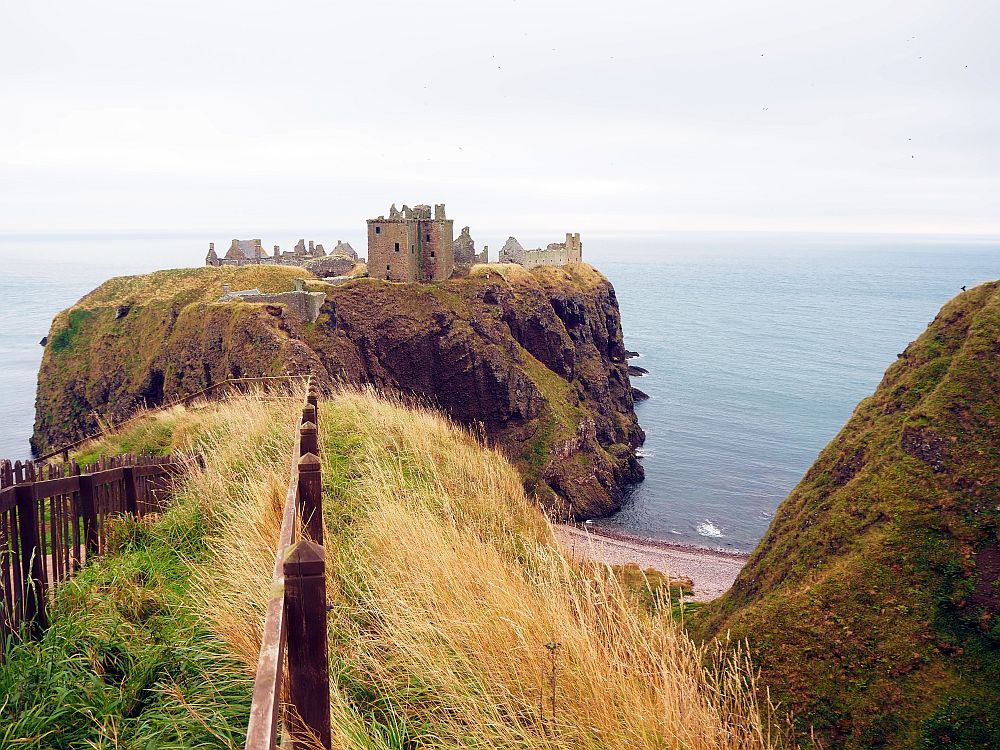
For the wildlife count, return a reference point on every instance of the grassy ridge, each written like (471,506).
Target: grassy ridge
(872,603)
(447,586)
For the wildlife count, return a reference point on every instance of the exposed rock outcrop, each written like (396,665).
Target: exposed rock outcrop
(535,358)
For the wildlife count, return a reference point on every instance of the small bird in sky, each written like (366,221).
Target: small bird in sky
(963,288)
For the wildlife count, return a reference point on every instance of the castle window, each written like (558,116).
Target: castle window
(378,230)
(428,238)
(397,247)
(432,253)
(387,268)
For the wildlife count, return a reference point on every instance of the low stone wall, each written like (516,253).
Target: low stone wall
(536,258)
(305,306)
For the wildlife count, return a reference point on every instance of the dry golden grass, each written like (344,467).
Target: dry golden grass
(246,441)
(451,585)
(448,586)
(449,590)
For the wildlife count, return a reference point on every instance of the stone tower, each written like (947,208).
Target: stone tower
(574,248)
(411,245)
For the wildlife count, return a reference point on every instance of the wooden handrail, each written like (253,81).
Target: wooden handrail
(264,710)
(296,609)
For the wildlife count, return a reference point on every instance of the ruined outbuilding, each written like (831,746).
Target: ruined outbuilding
(554,254)
(251,252)
(465,251)
(302,305)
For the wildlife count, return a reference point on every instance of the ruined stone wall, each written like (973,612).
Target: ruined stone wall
(385,261)
(511,252)
(574,247)
(437,249)
(304,306)
(553,255)
(409,250)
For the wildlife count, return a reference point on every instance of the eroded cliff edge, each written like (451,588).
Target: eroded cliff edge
(536,358)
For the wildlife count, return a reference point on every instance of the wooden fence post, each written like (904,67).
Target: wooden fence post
(313,400)
(311,496)
(308,660)
(131,496)
(88,511)
(32,558)
(308,439)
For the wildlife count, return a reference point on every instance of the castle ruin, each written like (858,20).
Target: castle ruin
(465,251)
(251,252)
(409,245)
(554,254)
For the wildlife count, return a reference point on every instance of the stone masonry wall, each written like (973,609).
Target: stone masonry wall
(305,306)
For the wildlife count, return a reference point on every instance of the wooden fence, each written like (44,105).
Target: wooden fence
(296,620)
(54,516)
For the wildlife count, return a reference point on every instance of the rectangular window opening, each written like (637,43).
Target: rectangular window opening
(397,247)
(432,253)
(428,238)
(378,230)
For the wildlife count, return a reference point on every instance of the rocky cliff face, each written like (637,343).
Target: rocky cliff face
(536,359)
(873,602)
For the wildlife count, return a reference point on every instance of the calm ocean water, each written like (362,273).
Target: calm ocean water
(758,348)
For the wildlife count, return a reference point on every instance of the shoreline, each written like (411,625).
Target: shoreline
(711,571)
(647,541)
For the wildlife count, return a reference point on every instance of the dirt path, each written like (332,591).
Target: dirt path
(712,572)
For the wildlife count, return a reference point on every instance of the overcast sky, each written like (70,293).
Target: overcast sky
(248,117)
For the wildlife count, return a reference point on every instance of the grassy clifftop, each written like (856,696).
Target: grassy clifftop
(534,358)
(873,602)
(446,586)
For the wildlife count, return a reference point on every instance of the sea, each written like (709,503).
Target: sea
(758,347)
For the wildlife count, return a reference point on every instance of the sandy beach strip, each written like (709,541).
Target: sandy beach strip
(712,572)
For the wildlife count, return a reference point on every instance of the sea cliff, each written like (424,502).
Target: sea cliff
(534,359)
(872,605)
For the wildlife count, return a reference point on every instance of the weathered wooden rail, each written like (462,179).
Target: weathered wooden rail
(54,516)
(295,624)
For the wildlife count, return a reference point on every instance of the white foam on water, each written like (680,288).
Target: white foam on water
(707,528)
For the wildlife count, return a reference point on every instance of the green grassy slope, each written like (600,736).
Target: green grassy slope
(872,603)
(129,660)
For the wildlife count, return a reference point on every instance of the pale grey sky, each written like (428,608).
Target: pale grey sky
(244,117)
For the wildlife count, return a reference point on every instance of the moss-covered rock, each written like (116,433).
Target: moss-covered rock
(872,605)
(535,358)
